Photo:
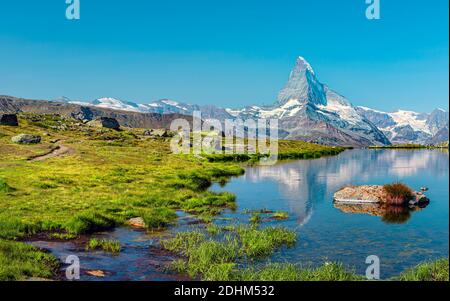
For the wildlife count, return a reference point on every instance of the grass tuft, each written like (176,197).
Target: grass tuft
(217,259)
(158,218)
(19,261)
(398,193)
(89,222)
(107,245)
(292,272)
(212,229)
(4,187)
(280,215)
(429,271)
(261,243)
(62,236)
(183,242)
(255,218)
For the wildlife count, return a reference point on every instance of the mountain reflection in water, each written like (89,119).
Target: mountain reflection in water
(300,182)
(305,189)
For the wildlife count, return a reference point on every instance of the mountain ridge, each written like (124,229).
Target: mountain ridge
(308,110)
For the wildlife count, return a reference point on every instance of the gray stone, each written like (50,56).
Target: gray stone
(106,122)
(160,133)
(9,119)
(147,132)
(26,139)
(137,222)
(422,200)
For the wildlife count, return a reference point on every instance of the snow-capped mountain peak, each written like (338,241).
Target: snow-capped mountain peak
(301,61)
(62,99)
(407,126)
(302,85)
(117,104)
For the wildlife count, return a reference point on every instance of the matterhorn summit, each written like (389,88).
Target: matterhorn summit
(302,86)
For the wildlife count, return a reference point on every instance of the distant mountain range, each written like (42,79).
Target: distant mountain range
(307,110)
(410,127)
(311,111)
(10,104)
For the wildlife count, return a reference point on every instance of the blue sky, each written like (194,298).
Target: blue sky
(228,53)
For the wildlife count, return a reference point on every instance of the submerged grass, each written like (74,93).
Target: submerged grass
(106,245)
(62,236)
(280,215)
(255,218)
(216,259)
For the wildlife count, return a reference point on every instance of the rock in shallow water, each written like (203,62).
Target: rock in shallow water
(137,222)
(96,273)
(366,193)
(377,194)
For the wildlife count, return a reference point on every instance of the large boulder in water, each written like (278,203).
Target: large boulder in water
(390,194)
(137,222)
(106,122)
(360,194)
(26,139)
(9,119)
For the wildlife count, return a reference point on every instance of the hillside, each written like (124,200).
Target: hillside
(11,104)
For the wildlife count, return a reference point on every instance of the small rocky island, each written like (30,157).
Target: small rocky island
(394,203)
(397,194)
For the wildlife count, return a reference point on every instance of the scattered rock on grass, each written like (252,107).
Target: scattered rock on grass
(26,139)
(147,132)
(160,133)
(106,122)
(9,119)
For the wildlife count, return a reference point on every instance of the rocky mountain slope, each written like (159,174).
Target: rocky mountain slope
(10,104)
(410,127)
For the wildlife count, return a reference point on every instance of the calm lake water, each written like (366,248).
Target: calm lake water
(305,189)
